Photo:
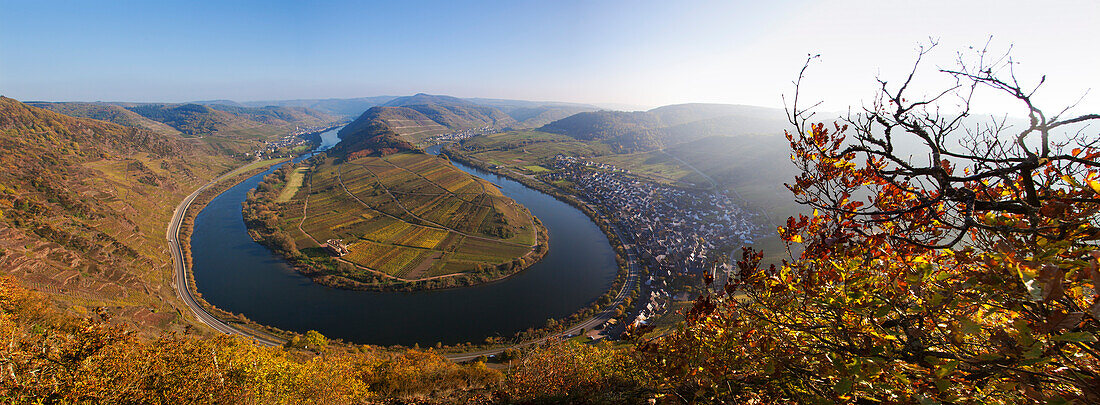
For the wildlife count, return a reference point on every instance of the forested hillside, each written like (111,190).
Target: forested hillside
(528,114)
(195,119)
(343,107)
(107,112)
(415,117)
(624,131)
(273,115)
(534,114)
(192,119)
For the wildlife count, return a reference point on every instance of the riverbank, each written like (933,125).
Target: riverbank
(185,231)
(625,260)
(314,136)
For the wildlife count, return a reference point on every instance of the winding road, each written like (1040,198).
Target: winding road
(183,290)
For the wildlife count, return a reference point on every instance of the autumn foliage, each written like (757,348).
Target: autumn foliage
(572,372)
(46,357)
(966,275)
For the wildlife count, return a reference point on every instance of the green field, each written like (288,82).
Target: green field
(513,139)
(409,215)
(521,149)
(292,184)
(657,166)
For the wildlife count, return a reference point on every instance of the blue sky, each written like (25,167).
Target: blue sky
(639,53)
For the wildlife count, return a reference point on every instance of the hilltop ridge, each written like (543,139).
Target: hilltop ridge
(640,131)
(373,134)
(191,118)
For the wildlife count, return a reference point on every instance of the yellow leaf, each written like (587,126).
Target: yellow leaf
(1095,185)
(796,238)
(1070,180)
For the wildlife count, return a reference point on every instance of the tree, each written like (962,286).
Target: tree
(968,276)
(571,372)
(970,174)
(315,340)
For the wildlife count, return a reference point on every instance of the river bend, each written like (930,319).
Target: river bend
(237,274)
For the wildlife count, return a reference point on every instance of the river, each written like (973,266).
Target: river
(237,274)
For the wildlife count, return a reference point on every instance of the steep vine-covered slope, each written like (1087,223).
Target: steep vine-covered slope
(411,125)
(83,205)
(454,113)
(373,134)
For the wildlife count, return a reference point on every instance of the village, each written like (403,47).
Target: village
(676,232)
(288,144)
(462,134)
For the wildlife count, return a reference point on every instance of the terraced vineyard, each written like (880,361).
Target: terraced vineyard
(408,217)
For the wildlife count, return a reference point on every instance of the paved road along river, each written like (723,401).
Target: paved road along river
(237,274)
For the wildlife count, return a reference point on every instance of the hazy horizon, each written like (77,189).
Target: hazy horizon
(609,53)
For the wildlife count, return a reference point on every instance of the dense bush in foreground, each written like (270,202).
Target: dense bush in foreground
(47,358)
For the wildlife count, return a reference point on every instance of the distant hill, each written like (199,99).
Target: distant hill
(411,124)
(527,114)
(343,107)
(422,98)
(475,112)
(413,119)
(83,205)
(537,116)
(535,113)
(507,104)
(191,119)
(274,115)
(454,113)
(624,131)
(195,119)
(669,125)
(678,114)
(735,163)
(217,102)
(57,134)
(107,112)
